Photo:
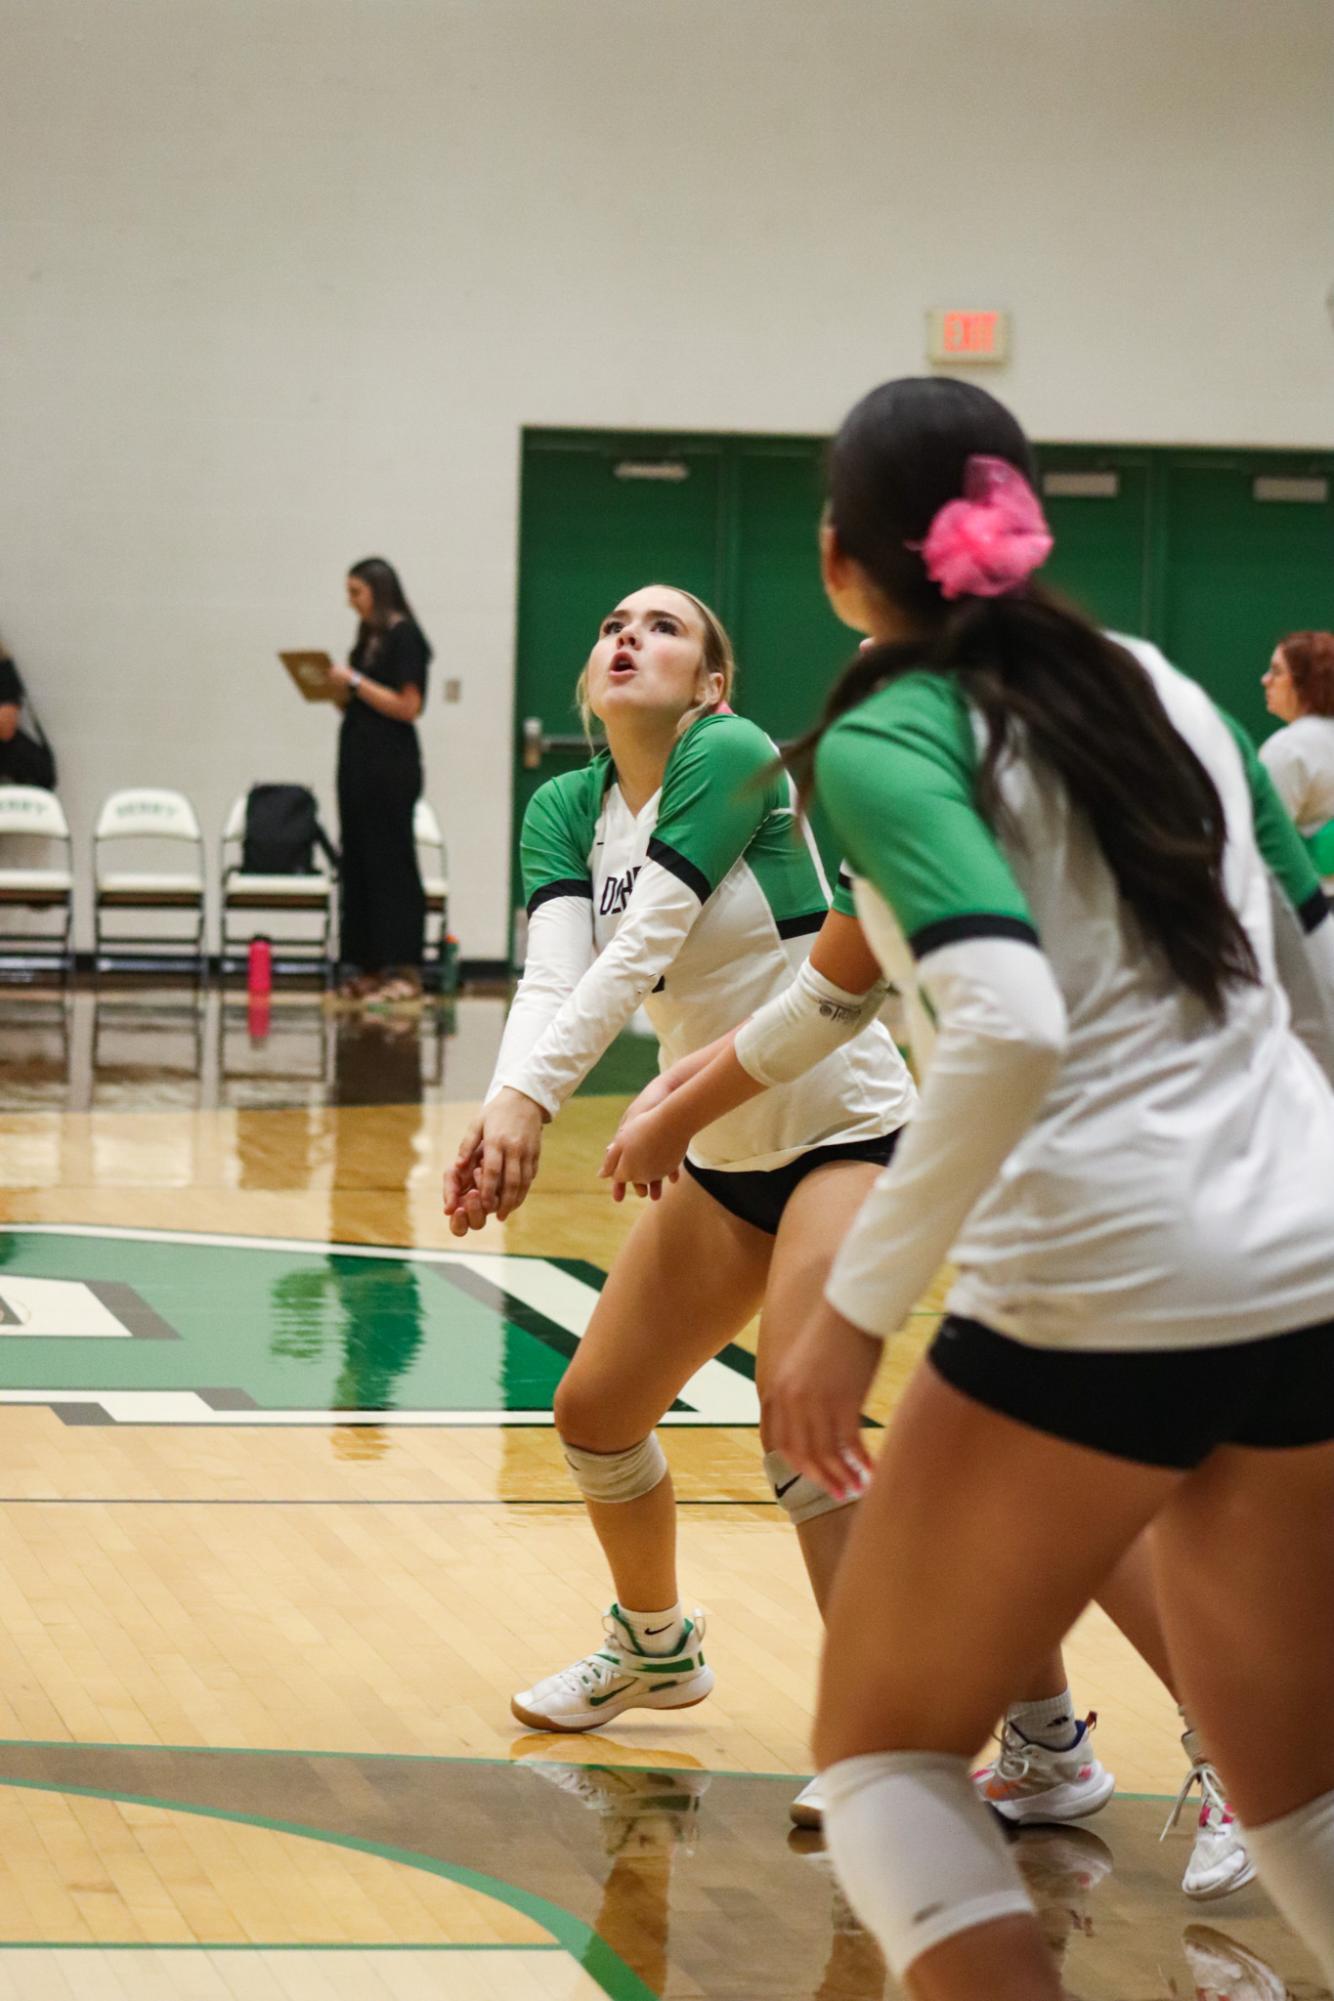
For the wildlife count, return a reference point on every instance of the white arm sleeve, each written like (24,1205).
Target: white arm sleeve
(1000,1041)
(560,951)
(657,921)
(1305,965)
(801,1026)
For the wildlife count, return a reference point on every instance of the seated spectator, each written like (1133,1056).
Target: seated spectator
(25,755)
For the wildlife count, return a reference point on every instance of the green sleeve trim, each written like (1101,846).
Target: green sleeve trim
(898,779)
(1279,842)
(715,797)
(558,832)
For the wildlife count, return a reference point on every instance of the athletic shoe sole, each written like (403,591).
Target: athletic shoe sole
(1225,1889)
(1057,1804)
(802,1815)
(568,1729)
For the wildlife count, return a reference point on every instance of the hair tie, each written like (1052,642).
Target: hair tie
(992,540)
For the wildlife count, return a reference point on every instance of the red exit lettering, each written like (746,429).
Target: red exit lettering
(970,333)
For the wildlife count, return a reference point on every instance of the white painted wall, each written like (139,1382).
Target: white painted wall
(282,281)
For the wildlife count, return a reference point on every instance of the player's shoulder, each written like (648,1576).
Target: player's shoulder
(726,742)
(922,712)
(570,801)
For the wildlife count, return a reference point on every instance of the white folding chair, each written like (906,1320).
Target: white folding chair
(30,816)
(431,859)
(257,898)
(148,816)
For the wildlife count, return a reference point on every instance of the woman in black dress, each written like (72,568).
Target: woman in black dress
(379,781)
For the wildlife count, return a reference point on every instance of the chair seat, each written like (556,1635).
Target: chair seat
(265,892)
(124,888)
(35,885)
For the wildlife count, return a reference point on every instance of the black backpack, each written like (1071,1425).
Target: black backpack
(282,826)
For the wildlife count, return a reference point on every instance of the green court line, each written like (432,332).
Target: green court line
(398,1758)
(604,1967)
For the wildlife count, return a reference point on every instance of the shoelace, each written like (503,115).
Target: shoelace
(1015,1758)
(593,1671)
(1214,1799)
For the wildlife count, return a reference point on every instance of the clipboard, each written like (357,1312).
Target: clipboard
(312,673)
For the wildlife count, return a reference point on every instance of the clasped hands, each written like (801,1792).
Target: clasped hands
(813,1402)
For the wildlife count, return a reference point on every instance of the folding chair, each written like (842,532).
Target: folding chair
(148,816)
(268,897)
(29,814)
(435,881)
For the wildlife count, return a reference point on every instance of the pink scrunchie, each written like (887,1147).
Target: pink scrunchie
(992,540)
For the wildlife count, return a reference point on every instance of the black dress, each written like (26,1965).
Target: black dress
(379,782)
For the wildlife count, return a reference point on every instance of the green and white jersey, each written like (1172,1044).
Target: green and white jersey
(1300,760)
(699,908)
(1111,1166)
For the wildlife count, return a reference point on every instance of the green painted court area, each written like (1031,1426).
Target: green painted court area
(123,1326)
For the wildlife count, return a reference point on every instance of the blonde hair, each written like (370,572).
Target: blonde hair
(718,658)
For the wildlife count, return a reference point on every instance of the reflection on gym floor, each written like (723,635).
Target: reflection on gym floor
(144,1048)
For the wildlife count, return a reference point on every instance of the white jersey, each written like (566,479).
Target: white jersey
(1300,760)
(700,908)
(1153,1177)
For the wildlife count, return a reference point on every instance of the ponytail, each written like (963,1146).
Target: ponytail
(1040,674)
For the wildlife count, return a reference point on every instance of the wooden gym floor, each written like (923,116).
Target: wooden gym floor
(282,1525)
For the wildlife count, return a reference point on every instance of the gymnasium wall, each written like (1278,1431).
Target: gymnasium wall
(284,279)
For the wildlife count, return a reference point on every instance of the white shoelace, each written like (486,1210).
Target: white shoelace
(1212,1795)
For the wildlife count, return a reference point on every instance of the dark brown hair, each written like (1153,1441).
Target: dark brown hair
(387,596)
(1309,658)
(1032,665)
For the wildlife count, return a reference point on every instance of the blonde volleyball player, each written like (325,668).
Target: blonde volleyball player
(672,872)
(1132,1155)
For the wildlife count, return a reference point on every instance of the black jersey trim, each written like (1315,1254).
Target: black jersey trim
(1314,911)
(677,865)
(570,885)
(801,927)
(974,924)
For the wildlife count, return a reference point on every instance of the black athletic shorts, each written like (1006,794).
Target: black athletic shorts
(1159,1406)
(761,1197)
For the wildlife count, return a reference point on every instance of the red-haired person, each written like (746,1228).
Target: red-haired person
(1299,690)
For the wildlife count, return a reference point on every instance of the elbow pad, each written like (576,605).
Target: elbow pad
(801,1026)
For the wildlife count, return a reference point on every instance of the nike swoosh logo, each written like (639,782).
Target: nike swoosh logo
(651,1632)
(596,1701)
(787,1486)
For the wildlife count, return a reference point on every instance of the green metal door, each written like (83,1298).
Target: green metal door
(1098,506)
(599,517)
(789,645)
(1248,555)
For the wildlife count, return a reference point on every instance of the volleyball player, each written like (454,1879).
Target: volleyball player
(1044,1771)
(672,872)
(1131,1154)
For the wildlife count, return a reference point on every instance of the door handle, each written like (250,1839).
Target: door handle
(536,743)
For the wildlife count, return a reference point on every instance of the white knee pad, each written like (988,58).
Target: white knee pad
(800,1499)
(917,1853)
(1295,1858)
(618,1476)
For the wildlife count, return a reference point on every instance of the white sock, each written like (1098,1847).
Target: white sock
(1295,1859)
(656,1632)
(1050,1722)
(919,1857)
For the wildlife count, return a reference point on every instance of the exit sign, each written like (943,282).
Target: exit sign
(957,336)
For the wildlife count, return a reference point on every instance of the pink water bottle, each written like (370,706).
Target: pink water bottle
(259,968)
